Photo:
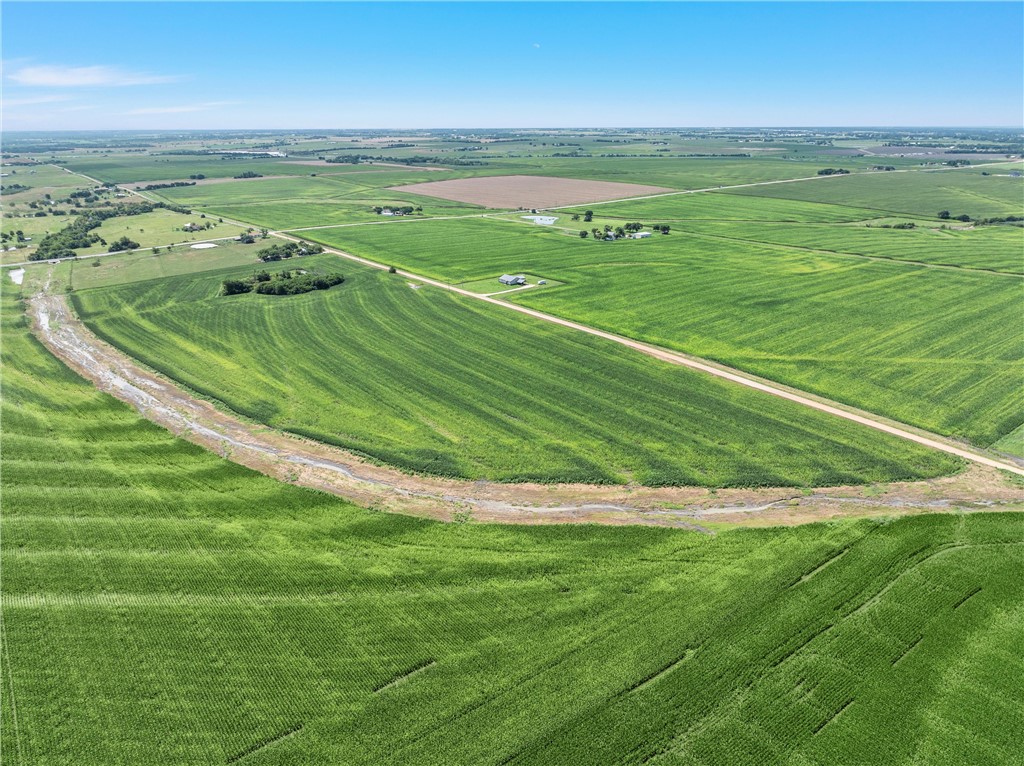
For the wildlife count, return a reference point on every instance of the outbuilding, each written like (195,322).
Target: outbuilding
(642,235)
(512,279)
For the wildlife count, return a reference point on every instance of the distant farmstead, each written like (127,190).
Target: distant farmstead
(512,279)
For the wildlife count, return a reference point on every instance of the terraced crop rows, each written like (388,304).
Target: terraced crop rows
(162,605)
(437,383)
(940,349)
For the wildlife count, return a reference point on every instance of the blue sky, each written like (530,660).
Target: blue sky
(79,66)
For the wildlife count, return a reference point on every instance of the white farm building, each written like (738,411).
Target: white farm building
(512,279)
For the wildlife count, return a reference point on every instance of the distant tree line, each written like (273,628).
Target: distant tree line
(281,283)
(248,174)
(833,172)
(171,185)
(14,188)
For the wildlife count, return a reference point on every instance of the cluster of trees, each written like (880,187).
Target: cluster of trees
(883,167)
(834,172)
(957,163)
(197,176)
(14,188)
(418,159)
(945,215)
(277,252)
(906,225)
(79,233)
(1002,219)
(249,174)
(621,231)
(172,185)
(122,244)
(18,236)
(282,283)
(403,210)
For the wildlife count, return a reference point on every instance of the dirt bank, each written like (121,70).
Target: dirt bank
(313,464)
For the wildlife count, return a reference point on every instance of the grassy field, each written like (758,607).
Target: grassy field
(963,191)
(159,228)
(164,606)
(940,349)
(437,383)
(169,262)
(287,203)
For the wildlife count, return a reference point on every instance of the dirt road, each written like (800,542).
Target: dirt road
(320,466)
(862,417)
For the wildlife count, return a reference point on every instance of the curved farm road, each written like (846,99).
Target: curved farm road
(313,464)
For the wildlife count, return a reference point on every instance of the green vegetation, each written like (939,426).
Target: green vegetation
(995,248)
(718,207)
(168,607)
(283,250)
(434,382)
(940,349)
(281,283)
(150,264)
(917,193)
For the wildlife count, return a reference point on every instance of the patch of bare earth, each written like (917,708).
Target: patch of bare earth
(528,191)
(313,464)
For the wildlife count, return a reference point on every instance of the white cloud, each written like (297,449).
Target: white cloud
(182,108)
(83,76)
(9,102)
(536,45)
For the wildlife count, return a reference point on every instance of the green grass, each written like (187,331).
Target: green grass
(159,228)
(492,285)
(1013,442)
(144,264)
(163,606)
(439,383)
(963,191)
(940,349)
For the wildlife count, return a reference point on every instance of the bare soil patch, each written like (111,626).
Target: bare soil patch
(528,191)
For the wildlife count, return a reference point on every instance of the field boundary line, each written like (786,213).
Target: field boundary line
(863,417)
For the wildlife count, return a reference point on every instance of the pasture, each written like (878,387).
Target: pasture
(164,606)
(289,203)
(436,383)
(940,349)
(169,262)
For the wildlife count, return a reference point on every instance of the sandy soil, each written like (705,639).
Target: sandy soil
(527,191)
(312,464)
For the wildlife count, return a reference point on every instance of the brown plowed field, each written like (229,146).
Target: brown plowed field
(528,191)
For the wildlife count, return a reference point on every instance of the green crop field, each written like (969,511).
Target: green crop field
(962,192)
(164,606)
(995,248)
(288,203)
(938,348)
(438,383)
(720,207)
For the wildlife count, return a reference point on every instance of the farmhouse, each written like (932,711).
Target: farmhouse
(512,279)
